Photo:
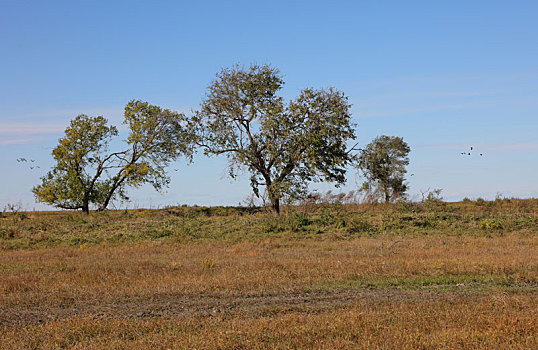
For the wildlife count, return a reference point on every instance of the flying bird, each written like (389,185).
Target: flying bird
(469,153)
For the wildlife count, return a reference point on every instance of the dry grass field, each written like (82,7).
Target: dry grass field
(460,276)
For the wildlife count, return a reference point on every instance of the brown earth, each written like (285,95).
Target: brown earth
(213,304)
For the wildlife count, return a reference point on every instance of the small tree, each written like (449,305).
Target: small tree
(383,163)
(86,172)
(282,145)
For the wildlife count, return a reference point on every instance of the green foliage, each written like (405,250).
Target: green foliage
(491,224)
(185,224)
(70,185)
(87,173)
(358,225)
(282,145)
(383,163)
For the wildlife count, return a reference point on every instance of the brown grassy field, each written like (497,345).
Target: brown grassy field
(460,276)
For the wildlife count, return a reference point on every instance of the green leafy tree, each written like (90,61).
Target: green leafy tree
(87,173)
(282,145)
(383,163)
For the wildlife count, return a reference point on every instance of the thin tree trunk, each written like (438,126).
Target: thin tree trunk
(110,193)
(386,192)
(275,204)
(85,206)
(107,198)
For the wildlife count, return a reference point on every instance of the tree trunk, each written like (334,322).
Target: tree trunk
(273,198)
(275,204)
(386,192)
(103,205)
(110,194)
(86,206)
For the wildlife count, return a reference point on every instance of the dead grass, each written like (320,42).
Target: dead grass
(284,285)
(428,292)
(54,276)
(495,322)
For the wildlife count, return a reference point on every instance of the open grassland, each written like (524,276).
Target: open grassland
(462,275)
(326,221)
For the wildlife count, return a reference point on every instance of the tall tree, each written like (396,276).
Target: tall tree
(87,173)
(71,184)
(282,145)
(383,163)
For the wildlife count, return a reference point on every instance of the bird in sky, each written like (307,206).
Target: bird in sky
(31,167)
(467,153)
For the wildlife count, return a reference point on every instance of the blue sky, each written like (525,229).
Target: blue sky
(444,76)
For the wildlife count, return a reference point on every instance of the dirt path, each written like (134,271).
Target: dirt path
(216,304)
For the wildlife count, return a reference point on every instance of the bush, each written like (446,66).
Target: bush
(491,224)
(480,201)
(358,225)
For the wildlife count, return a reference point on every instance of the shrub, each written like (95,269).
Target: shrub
(491,224)
(358,225)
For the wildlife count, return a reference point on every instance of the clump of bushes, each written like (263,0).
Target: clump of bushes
(360,225)
(491,224)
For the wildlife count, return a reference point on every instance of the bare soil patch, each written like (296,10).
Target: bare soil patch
(220,304)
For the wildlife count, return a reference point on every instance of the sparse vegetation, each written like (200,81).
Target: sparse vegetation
(322,219)
(231,277)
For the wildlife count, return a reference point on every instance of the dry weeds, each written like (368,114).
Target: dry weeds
(336,292)
(319,291)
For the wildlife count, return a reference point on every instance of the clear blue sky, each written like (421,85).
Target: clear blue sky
(443,75)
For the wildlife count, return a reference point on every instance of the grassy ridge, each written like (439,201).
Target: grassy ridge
(230,224)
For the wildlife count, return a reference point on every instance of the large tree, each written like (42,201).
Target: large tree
(88,173)
(282,145)
(383,163)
